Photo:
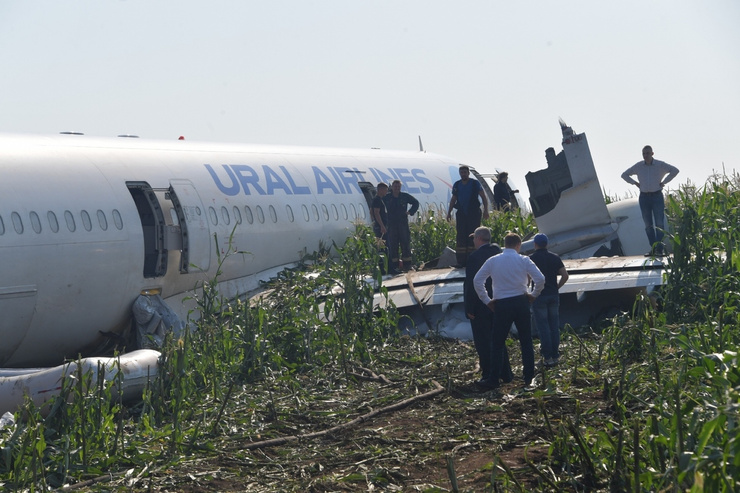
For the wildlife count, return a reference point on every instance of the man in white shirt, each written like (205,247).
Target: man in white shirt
(652,175)
(510,273)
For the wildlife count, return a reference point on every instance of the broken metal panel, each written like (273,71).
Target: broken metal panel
(568,194)
(607,284)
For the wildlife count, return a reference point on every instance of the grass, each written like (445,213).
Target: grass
(650,402)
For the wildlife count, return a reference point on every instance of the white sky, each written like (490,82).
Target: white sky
(483,81)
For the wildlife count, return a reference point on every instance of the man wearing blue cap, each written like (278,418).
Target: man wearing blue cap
(546,308)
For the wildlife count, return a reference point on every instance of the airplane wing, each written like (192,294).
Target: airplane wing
(596,287)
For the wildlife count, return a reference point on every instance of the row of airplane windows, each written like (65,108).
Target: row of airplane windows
(259,215)
(102,219)
(69,219)
(325,213)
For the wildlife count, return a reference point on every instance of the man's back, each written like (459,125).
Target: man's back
(475,261)
(549,264)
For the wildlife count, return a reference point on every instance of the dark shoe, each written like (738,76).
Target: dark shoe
(486,384)
(508,379)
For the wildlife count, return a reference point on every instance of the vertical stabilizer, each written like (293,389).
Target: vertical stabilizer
(567,195)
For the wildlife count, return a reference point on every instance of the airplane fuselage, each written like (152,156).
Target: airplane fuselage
(88,224)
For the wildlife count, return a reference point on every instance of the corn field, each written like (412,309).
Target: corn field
(302,391)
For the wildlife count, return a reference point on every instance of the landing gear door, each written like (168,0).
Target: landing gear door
(196,235)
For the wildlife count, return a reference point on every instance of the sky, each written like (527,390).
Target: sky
(483,82)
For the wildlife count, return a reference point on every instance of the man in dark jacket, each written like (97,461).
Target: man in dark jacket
(481,318)
(397,203)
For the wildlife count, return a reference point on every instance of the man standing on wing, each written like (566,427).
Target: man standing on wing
(510,273)
(397,204)
(465,193)
(546,308)
(380,222)
(481,318)
(652,175)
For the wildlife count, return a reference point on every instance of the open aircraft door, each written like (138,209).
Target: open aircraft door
(196,234)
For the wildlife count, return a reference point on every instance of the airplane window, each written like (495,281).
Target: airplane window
(214,217)
(305,212)
(260,215)
(17,222)
(102,220)
(273,214)
(117,219)
(2,226)
(344,211)
(354,211)
(335,212)
(70,221)
(362,212)
(53,223)
(35,222)
(237,215)
(315,212)
(325,211)
(225,215)
(250,217)
(86,220)
(290,213)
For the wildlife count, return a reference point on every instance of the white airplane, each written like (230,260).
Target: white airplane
(89,224)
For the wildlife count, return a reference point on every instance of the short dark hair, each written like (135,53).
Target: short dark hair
(511,240)
(464,166)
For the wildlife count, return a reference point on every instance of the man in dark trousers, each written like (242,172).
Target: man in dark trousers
(380,222)
(546,308)
(510,273)
(481,318)
(465,194)
(397,204)
(652,176)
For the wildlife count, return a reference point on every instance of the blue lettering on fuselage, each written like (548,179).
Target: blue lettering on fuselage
(247,175)
(384,177)
(322,181)
(233,189)
(419,175)
(336,173)
(350,180)
(296,189)
(244,179)
(275,182)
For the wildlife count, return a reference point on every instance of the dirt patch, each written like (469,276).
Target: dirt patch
(460,434)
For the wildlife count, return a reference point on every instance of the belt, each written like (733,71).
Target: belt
(650,193)
(511,298)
